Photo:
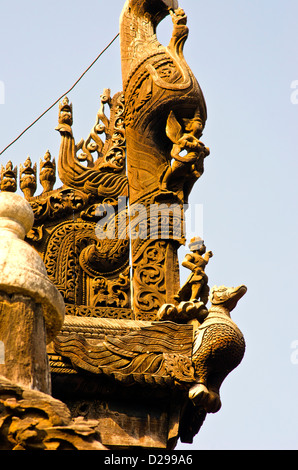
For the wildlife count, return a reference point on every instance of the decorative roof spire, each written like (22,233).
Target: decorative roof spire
(65,118)
(9,178)
(47,172)
(28,178)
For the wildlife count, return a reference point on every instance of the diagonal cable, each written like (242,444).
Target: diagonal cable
(60,97)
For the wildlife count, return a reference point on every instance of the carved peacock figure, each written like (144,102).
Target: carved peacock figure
(218,348)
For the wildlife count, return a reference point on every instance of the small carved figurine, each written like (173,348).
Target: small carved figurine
(196,286)
(185,138)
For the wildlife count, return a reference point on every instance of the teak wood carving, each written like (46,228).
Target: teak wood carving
(165,114)
(108,238)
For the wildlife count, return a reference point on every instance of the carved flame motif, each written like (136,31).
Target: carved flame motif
(104,176)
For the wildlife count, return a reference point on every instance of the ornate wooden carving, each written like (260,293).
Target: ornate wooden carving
(160,114)
(108,238)
(196,286)
(219,347)
(135,370)
(153,353)
(105,176)
(91,273)
(9,177)
(31,420)
(28,178)
(165,115)
(47,174)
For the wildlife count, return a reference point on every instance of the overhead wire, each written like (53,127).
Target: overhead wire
(60,97)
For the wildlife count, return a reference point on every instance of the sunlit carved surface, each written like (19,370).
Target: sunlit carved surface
(139,359)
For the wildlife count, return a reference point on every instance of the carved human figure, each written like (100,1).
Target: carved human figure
(196,286)
(187,167)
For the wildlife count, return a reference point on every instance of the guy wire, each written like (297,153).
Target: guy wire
(60,97)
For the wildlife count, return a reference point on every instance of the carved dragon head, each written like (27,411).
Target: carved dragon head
(226,297)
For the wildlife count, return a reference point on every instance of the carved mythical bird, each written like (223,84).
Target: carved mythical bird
(218,348)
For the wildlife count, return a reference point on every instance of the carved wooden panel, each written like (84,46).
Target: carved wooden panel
(91,273)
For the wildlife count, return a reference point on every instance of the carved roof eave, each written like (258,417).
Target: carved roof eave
(132,352)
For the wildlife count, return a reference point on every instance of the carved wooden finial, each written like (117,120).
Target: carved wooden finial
(65,118)
(28,178)
(8,178)
(47,172)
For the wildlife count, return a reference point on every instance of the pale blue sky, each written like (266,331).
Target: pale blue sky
(244,54)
